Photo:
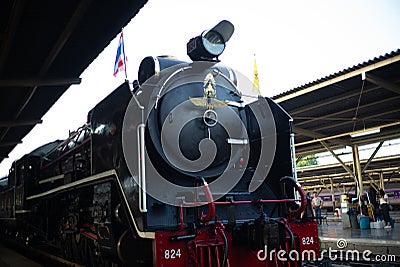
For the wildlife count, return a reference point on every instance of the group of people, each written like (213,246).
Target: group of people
(379,201)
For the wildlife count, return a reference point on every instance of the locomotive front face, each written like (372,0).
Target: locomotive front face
(195,134)
(191,127)
(196,124)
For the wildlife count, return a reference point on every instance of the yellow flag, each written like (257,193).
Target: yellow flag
(256,82)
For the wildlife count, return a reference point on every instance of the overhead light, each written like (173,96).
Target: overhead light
(210,43)
(363,133)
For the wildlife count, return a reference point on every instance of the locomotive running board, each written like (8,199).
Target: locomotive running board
(90,179)
(74,184)
(52,179)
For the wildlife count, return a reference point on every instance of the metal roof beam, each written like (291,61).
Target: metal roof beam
(19,123)
(383,136)
(308,133)
(6,144)
(382,83)
(372,156)
(331,100)
(348,133)
(19,110)
(39,82)
(8,37)
(335,99)
(317,135)
(308,150)
(62,40)
(395,158)
(312,187)
(344,175)
(338,159)
(338,79)
(373,182)
(350,120)
(387,135)
(365,140)
(376,116)
(80,11)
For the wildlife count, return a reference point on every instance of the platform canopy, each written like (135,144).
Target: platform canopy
(44,47)
(354,107)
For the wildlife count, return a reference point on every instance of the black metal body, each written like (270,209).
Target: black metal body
(68,190)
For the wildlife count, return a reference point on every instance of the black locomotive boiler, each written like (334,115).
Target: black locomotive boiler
(183,167)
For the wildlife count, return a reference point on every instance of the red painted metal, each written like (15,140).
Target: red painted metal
(205,218)
(207,248)
(62,147)
(89,235)
(303,204)
(307,234)
(243,202)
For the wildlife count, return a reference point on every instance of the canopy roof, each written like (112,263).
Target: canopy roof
(44,47)
(356,106)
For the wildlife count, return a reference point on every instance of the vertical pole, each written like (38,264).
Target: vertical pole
(15,187)
(91,153)
(381,181)
(333,195)
(356,162)
(294,171)
(123,52)
(357,165)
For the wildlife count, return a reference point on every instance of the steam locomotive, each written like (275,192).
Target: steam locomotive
(183,167)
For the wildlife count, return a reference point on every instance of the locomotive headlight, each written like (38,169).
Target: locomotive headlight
(211,43)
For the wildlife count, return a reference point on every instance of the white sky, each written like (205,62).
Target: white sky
(295,42)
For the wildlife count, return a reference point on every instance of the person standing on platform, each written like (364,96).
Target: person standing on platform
(384,205)
(372,197)
(317,203)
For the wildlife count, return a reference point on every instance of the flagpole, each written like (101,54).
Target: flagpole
(120,59)
(123,51)
(256,81)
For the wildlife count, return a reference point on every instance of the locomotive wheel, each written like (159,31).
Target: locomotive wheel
(77,251)
(92,255)
(65,250)
(90,252)
(71,247)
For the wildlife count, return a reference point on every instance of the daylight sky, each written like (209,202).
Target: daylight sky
(295,42)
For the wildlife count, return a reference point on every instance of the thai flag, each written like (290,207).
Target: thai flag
(120,60)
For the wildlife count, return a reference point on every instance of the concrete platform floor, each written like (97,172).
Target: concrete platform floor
(378,241)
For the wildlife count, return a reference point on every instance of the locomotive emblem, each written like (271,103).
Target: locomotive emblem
(209,100)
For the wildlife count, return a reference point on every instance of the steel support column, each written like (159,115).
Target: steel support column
(333,195)
(349,171)
(357,168)
(381,181)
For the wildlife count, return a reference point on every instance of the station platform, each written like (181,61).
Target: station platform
(378,241)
